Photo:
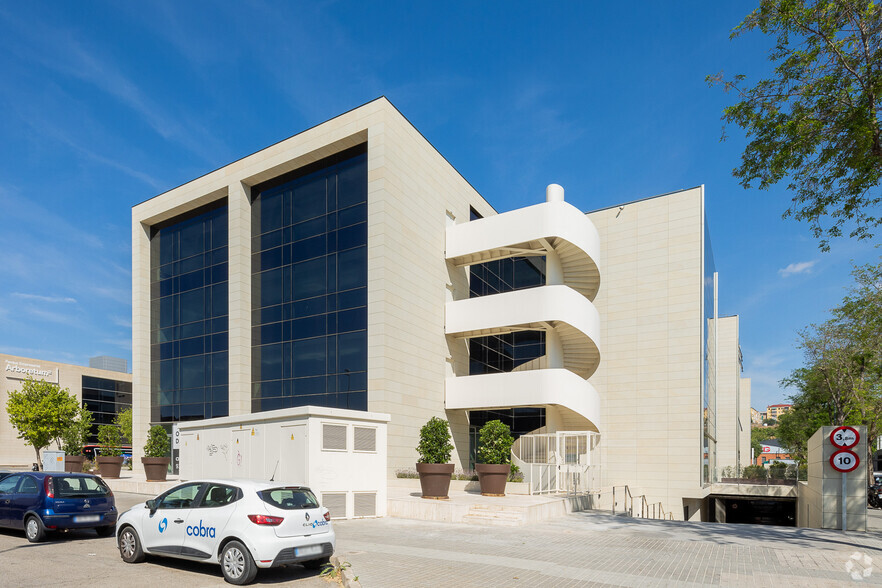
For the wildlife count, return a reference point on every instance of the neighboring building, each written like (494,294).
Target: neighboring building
(772,451)
(103,392)
(774,411)
(351,266)
(756,417)
(113,364)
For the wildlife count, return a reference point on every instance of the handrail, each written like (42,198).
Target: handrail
(648,510)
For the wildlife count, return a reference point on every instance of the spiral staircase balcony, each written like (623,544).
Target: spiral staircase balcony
(557,227)
(576,398)
(572,316)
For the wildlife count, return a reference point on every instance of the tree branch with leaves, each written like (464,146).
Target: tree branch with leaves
(816,121)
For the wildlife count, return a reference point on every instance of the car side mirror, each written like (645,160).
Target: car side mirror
(151,504)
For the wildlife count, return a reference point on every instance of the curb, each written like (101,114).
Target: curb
(348,578)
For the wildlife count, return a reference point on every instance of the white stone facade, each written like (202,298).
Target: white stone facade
(622,307)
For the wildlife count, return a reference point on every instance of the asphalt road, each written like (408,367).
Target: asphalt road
(81,558)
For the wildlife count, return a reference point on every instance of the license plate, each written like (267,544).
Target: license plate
(87,518)
(311,550)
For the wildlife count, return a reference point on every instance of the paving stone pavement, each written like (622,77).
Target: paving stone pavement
(593,549)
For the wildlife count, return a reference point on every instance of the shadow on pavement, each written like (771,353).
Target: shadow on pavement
(279,575)
(734,534)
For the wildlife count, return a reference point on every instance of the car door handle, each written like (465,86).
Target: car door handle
(179,520)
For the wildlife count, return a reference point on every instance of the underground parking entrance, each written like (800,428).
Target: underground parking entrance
(751,510)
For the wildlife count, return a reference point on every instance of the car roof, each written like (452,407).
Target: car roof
(255,485)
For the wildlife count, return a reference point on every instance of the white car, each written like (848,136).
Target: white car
(240,524)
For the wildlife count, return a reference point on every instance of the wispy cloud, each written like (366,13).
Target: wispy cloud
(122,322)
(61,51)
(48,299)
(803,267)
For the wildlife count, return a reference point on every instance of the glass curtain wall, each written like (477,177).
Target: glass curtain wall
(709,381)
(189,292)
(504,353)
(104,399)
(309,286)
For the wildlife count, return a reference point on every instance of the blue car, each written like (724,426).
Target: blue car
(38,502)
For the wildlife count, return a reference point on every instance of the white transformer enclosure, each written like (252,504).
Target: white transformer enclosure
(340,454)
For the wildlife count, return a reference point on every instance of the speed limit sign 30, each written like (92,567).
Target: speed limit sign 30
(845,461)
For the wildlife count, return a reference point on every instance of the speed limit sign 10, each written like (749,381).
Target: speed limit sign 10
(844,437)
(845,461)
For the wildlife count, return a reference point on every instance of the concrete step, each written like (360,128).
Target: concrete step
(492,514)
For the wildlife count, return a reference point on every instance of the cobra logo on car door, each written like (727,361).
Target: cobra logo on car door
(165,528)
(208,520)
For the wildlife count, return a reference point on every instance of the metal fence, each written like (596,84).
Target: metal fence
(566,461)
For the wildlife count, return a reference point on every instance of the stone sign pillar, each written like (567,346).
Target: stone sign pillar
(820,504)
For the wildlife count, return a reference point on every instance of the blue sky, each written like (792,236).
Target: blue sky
(106,104)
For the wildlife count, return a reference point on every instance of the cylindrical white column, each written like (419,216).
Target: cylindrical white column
(554,349)
(554,193)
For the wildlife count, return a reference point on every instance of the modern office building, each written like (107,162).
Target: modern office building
(351,266)
(114,364)
(103,392)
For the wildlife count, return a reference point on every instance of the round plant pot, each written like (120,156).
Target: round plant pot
(435,479)
(73,464)
(156,468)
(109,466)
(492,478)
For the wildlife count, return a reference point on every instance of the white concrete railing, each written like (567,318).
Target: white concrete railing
(555,227)
(576,397)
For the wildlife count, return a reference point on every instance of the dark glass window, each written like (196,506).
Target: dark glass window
(189,316)
(503,353)
(309,286)
(105,398)
(520,420)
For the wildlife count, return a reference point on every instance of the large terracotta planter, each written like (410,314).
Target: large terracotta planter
(492,478)
(435,479)
(74,463)
(156,468)
(109,467)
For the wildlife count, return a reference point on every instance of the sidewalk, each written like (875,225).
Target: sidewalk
(136,483)
(588,548)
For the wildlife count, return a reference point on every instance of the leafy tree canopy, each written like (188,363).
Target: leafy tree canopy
(841,381)
(41,412)
(816,120)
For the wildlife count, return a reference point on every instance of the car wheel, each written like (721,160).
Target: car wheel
(237,564)
(130,546)
(34,529)
(316,564)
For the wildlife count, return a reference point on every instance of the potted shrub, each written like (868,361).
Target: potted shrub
(110,459)
(494,458)
(73,438)
(156,452)
(434,449)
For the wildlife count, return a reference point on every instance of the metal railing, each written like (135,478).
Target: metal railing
(620,500)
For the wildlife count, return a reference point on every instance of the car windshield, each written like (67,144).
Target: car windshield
(79,487)
(289,498)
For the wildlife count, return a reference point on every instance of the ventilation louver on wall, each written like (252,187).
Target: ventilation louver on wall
(365,438)
(334,437)
(335,502)
(365,504)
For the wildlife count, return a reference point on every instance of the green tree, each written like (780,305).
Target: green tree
(41,412)
(757,436)
(494,443)
(111,440)
(434,445)
(76,434)
(841,382)
(816,120)
(124,421)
